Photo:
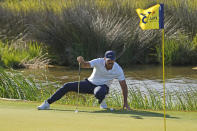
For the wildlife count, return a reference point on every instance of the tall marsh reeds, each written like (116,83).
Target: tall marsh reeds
(14,85)
(179,51)
(19,53)
(90,27)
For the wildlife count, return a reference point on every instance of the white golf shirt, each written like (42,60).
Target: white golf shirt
(101,75)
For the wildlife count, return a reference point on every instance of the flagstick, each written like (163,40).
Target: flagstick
(164,98)
(144,14)
(164,90)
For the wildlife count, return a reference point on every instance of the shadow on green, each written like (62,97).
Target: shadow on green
(137,114)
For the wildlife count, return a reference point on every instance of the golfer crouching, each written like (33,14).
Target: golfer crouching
(105,70)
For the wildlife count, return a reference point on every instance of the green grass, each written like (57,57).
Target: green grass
(24,116)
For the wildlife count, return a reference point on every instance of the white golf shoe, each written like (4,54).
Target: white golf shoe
(103,105)
(44,106)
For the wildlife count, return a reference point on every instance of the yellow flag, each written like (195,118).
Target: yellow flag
(151,18)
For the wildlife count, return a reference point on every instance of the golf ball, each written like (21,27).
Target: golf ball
(76,111)
(111,109)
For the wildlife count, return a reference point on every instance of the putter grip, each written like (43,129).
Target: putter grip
(79,68)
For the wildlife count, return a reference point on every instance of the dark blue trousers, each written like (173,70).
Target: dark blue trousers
(85,87)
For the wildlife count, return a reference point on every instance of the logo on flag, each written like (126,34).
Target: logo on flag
(152,18)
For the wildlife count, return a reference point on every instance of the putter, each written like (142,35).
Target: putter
(76,110)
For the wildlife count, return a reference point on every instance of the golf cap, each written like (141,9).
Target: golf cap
(110,55)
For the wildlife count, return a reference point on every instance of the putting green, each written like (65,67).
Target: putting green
(23,116)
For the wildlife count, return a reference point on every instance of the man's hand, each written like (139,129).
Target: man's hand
(80,59)
(124,88)
(83,63)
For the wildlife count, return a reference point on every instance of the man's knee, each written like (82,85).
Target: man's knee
(100,92)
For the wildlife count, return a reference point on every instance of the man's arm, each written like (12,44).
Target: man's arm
(84,64)
(125,93)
